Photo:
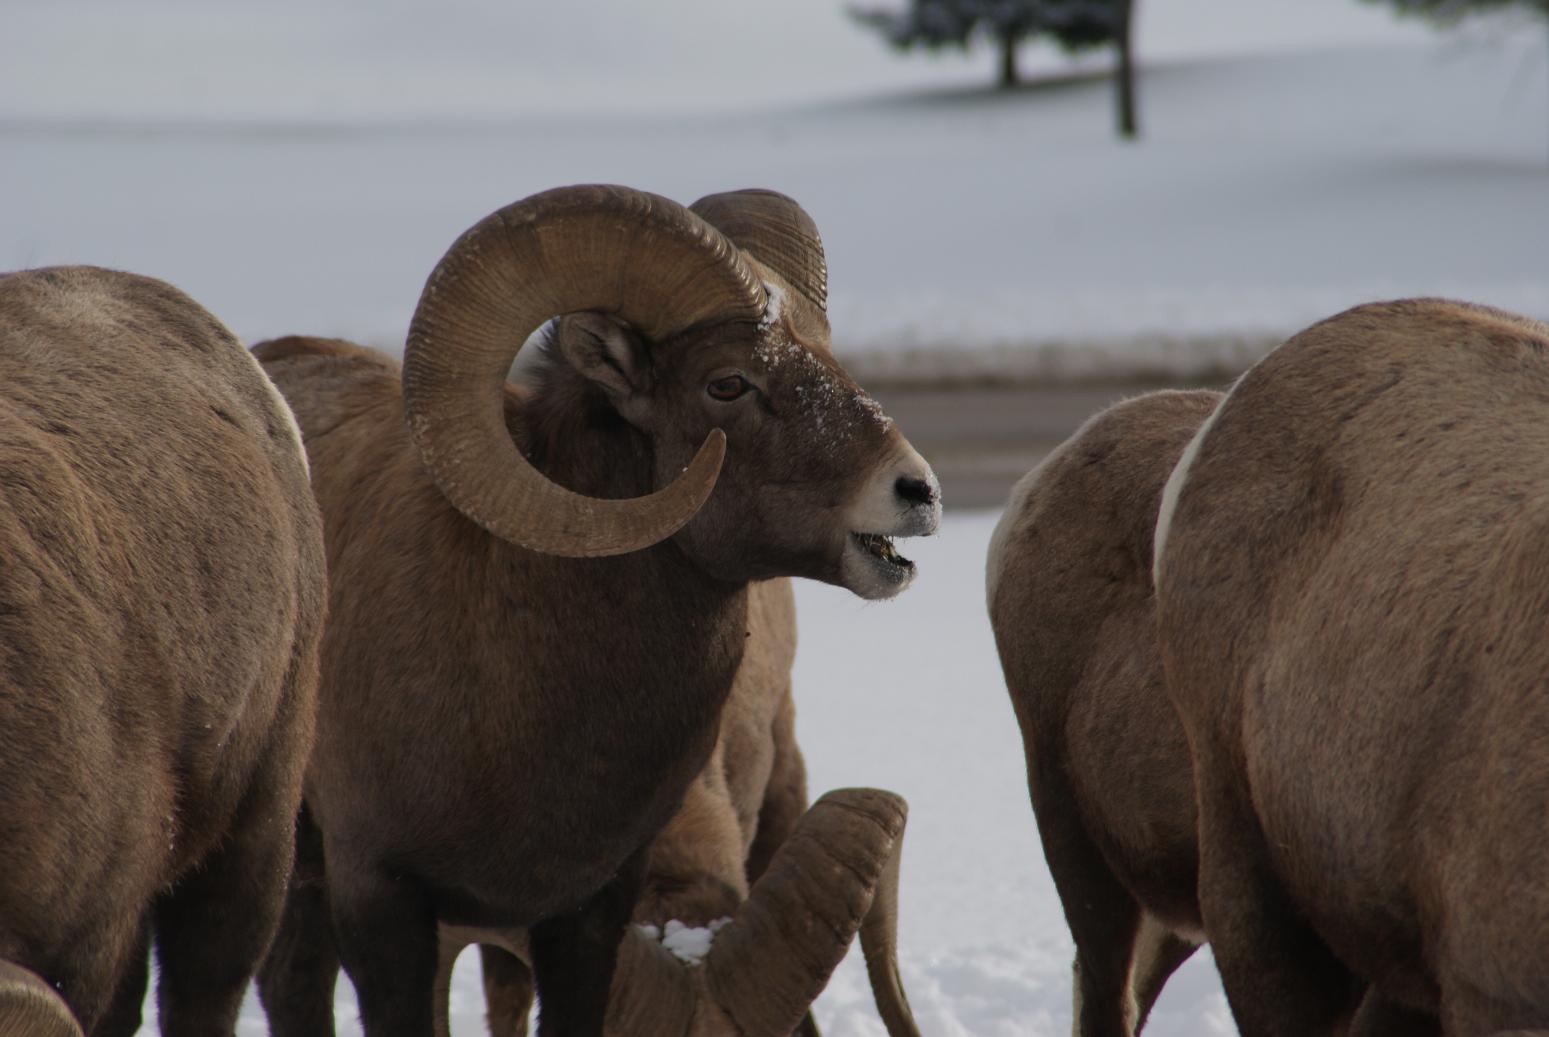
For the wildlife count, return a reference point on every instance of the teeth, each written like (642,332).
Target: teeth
(881,547)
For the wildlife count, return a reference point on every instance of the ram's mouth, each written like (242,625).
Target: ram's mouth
(881,548)
(873,568)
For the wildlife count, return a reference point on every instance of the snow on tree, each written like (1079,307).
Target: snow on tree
(1074,24)
(1448,12)
(1452,10)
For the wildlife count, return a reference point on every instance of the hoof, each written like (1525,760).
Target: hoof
(29,1007)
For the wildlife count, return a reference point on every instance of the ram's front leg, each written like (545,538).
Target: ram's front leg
(574,955)
(386,928)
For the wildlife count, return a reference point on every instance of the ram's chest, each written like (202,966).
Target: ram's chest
(557,752)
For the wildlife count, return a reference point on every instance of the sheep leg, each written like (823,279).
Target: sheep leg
(785,795)
(1158,954)
(1380,1017)
(213,927)
(123,1017)
(508,990)
(785,802)
(574,955)
(1280,978)
(388,944)
(297,980)
(1102,915)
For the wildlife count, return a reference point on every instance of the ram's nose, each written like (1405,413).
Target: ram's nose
(917,495)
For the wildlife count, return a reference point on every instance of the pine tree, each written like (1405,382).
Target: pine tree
(1452,10)
(1074,24)
(1448,12)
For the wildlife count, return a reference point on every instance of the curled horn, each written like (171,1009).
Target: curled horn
(836,874)
(30,1007)
(777,232)
(640,257)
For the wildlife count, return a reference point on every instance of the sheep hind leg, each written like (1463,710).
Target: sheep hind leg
(1158,954)
(785,802)
(29,1007)
(214,926)
(296,982)
(1281,980)
(1380,1017)
(574,955)
(1102,915)
(508,991)
(123,1017)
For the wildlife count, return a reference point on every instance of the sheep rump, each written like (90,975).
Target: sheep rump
(160,609)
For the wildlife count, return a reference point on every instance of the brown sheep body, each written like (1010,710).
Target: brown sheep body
(1350,577)
(735,815)
(503,729)
(161,595)
(1108,772)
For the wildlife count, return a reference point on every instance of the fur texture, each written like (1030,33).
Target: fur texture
(1070,599)
(506,755)
(1351,602)
(161,597)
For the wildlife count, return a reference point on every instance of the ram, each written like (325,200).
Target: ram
(736,814)
(161,596)
(1352,587)
(539,599)
(1070,599)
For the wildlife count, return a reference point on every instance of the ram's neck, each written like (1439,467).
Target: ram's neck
(645,643)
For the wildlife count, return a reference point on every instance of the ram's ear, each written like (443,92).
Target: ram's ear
(608,352)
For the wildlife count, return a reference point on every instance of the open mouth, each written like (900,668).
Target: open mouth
(881,548)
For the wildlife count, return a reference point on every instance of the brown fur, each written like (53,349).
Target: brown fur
(503,733)
(736,813)
(161,596)
(1107,764)
(751,793)
(1351,601)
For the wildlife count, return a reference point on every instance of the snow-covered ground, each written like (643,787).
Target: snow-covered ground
(907,695)
(299,167)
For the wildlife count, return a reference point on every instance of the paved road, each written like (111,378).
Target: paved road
(981,440)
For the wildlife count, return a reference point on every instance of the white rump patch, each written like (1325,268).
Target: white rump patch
(286,414)
(689,943)
(1174,487)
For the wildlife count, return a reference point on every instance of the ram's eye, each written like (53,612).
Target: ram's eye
(728,388)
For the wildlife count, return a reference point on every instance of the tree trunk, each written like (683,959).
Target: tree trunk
(1008,61)
(1129,127)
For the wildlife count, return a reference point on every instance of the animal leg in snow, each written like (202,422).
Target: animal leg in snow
(574,955)
(386,928)
(1280,978)
(296,983)
(213,927)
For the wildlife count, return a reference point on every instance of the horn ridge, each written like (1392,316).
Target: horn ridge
(777,232)
(636,255)
(822,886)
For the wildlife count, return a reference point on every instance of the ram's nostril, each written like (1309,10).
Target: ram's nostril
(915,491)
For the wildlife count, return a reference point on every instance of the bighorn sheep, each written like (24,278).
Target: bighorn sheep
(522,674)
(1351,596)
(1070,600)
(161,596)
(735,815)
